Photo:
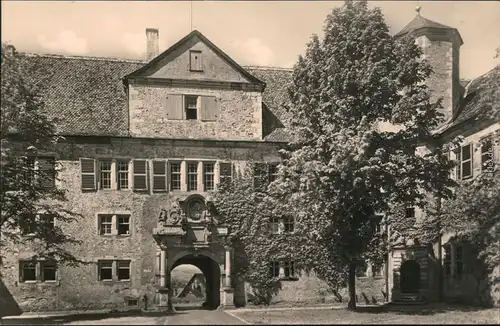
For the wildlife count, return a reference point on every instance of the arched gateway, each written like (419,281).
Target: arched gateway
(188,233)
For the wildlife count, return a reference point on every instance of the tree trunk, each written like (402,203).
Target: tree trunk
(352,287)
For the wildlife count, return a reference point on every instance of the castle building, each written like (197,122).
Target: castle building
(147,142)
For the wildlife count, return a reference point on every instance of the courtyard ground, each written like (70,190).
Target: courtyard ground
(338,315)
(438,314)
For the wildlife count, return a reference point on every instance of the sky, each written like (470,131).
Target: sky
(264,33)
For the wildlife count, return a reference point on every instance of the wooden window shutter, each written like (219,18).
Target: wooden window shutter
(88,173)
(159,176)
(226,171)
(140,175)
(46,166)
(209,108)
(174,107)
(260,175)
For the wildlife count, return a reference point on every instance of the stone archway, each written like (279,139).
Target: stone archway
(212,273)
(410,277)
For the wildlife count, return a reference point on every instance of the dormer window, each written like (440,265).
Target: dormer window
(195,63)
(191,107)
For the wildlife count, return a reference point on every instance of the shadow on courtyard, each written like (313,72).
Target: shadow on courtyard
(421,310)
(57,320)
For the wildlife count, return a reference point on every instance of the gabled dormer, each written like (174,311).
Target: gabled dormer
(194,90)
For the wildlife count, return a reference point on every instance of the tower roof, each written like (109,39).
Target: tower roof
(419,23)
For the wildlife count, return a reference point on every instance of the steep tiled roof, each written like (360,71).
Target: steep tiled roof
(87,95)
(481,99)
(420,22)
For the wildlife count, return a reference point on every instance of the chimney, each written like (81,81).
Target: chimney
(152,43)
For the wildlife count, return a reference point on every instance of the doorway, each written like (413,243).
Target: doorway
(410,277)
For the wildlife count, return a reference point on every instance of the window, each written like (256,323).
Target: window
(410,212)
(208,176)
(132,302)
(110,224)
(175,176)
(289,224)
(40,170)
(273,172)
(466,162)
(105,270)
(123,224)
(47,222)
(192,176)
(122,168)
(377,270)
(274,225)
(29,174)
(27,271)
(159,176)
(124,270)
(105,224)
(28,224)
(191,107)
(195,63)
(225,172)
(447,261)
(275,269)
(105,168)
(48,271)
(289,269)
(487,154)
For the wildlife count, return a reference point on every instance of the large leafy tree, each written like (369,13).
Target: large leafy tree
(342,168)
(28,196)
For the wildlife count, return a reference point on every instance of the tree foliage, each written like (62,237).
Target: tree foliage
(27,181)
(244,206)
(342,168)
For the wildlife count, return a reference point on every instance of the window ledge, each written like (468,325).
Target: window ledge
(115,281)
(290,278)
(39,283)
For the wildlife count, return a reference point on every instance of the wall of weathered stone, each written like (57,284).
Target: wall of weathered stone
(78,287)
(240,114)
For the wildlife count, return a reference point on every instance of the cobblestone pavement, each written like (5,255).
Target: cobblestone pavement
(188,317)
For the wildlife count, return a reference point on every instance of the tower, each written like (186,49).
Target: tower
(441,47)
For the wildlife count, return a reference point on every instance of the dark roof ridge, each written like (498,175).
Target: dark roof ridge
(268,68)
(79,57)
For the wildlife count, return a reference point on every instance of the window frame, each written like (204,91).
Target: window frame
(272,172)
(103,223)
(275,266)
(105,172)
(121,173)
(128,223)
(22,274)
(188,174)
(466,161)
(209,174)
(171,174)
(100,267)
(289,264)
(188,107)
(288,220)
(43,265)
(119,267)
(274,225)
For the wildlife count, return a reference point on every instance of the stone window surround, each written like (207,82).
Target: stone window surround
(114,223)
(114,269)
(38,273)
(281,225)
(281,265)
(182,161)
(37,218)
